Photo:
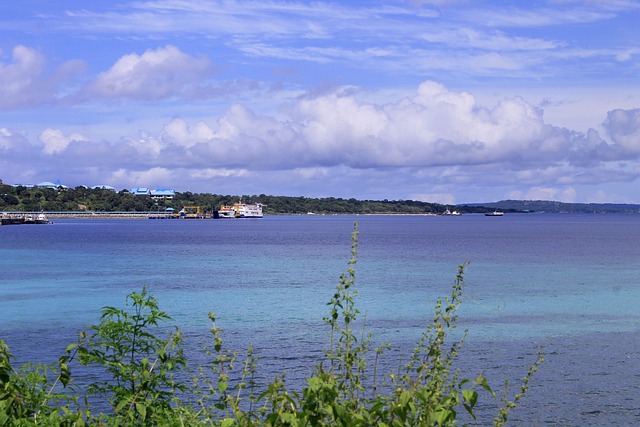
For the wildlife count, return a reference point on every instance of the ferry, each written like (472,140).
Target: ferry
(494,213)
(227,211)
(241,210)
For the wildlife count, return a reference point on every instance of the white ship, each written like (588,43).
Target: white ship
(249,210)
(241,210)
(227,211)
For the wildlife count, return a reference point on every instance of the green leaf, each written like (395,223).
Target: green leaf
(442,416)
(405,397)
(121,405)
(470,396)
(314,383)
(142,410)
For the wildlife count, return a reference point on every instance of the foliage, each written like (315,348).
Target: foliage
(139,365)
(21,198)
(138,360)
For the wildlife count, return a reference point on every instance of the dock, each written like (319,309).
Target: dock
(11,218)
(17,218)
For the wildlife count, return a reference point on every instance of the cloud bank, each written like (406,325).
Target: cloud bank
(435,129)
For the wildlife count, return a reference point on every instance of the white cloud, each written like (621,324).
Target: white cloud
(157,74)
(54,140)
(178,132)
(26,81)
(437,136)
(21,81)
(464,37)
(434,127)
(156,175)
(537,17)
(623,126)
(10,140)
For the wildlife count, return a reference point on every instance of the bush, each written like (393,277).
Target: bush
(139,362)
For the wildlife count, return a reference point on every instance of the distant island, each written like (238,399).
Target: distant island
(102,199)
(560,207)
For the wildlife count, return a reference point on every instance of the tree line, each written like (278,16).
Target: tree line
(32,199)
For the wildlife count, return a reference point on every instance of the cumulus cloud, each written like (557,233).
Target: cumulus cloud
(54,140)
(24,81)
(436,135)
(12,141)
(162,73)
(435,127)
(623,126)
(178,132)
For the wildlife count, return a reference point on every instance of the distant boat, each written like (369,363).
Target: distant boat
(227,211)
(241,210)
(453,213)
(41,218)
(494,213)
(249,210)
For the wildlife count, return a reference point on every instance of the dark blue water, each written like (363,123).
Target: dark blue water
(570,283)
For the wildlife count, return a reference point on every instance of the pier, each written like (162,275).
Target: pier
(10,218)
(16,218)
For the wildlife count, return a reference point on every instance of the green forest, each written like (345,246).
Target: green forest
(33,199)
(83,199)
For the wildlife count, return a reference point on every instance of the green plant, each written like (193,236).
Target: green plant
(140,365)
(29,398)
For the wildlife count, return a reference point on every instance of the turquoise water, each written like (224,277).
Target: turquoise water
(570,283)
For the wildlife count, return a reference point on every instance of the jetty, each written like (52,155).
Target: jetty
(17,218)
(188,212)
(11,220)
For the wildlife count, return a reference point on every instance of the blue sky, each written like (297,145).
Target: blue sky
(448,101)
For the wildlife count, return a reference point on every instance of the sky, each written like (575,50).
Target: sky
(446,101)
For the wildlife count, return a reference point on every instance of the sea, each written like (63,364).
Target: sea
(566,285)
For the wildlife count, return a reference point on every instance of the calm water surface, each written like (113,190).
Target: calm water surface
(569,283)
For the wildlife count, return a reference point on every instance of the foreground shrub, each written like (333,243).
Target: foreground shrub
(138,363)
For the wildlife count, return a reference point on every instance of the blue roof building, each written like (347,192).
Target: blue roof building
(163,193)
(49,184)
(141,191)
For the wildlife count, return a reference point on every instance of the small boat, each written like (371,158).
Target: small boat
(41,218)
(494,213)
